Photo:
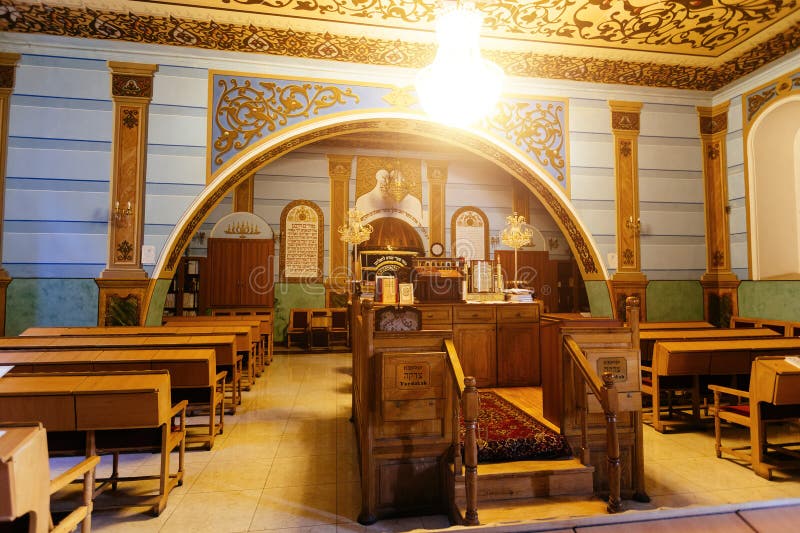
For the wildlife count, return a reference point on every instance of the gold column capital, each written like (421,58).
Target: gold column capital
(131,80)
(625,116)
(340,166)
(437,171)
(713,120)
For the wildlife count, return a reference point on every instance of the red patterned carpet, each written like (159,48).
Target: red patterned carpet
(507,433)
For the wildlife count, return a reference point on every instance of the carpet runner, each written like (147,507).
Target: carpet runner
(507,433)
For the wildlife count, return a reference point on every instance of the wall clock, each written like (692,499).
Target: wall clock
(437,249)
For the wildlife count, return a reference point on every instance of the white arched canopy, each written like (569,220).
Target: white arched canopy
(774,189)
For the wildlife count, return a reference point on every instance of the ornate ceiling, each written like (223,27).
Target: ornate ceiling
(688,44)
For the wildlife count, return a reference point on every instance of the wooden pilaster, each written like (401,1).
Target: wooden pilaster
(628,280)
(340,168)
(243,196)
(720,284)
(437,181)
(123,281)
(520,201)
(8,65)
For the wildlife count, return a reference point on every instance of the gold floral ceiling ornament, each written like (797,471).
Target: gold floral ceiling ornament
(460,87)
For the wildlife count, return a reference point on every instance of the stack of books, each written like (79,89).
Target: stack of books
(520,296)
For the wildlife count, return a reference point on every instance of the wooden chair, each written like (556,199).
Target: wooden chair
(340,326)
(25,467)
(299,324)
(320,329)
(773,398)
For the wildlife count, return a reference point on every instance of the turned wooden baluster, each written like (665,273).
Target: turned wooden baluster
(614,464)
(469,406)
(639,491)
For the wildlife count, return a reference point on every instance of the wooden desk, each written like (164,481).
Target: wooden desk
(708,357)
(25,476)
(265,315)
(224,347)
(252,348)
(94,403)
(647,339)
(191,370)
(649,326)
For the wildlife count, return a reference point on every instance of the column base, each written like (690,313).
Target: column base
(121,302)
(720,298)
(623,285)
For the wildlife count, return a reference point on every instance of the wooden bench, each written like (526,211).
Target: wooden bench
(692,359)
(25,485)
(264,314)
(784,327)
(773,397)
(109,412)
(648,339)
(299,325)
(192,372)
(224,347)
(251,348)
(661,326)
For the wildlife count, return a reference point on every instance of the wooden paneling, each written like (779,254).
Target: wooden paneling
(476,348)
(518,361)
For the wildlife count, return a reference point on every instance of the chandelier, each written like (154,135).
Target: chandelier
(354,231)
(394,184)
(516,235)
(459,87)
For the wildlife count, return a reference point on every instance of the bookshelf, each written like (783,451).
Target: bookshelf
(186,296)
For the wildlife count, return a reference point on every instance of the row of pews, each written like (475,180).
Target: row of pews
(112,390)
(739,374)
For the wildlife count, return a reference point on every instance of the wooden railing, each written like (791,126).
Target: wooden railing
(467,393)
(606,394)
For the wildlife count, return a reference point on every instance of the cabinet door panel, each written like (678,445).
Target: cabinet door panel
(518,355)
(475,345)
(223,272)
(256,273)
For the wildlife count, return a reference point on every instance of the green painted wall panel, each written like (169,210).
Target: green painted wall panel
(777,300)
(156,311)
(599,299)
(50,302)
(294,295)
(674,300)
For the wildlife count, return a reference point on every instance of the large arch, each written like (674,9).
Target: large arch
(478,142)
(773,189)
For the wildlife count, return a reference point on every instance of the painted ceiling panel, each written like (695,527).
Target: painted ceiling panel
(691,44)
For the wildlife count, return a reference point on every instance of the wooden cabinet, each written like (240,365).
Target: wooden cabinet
(476,347)
(186,294)
(240,272)
(518,355)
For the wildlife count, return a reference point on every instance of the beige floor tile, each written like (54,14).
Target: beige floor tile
(324,528)
(348,501)
(303,426)
(232,476)
(247,449)
(308,470)
(217,512)
(291,507)
(296,446)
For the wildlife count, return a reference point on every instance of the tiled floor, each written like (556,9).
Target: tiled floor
(288,461)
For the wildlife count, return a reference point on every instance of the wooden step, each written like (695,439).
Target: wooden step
(546,510)
(520,480)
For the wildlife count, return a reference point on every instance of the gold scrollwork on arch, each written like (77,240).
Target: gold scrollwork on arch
(537,129)
(244,111)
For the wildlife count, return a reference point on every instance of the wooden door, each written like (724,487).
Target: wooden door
(224,272)
(518,361)
(256,273)
(476,348)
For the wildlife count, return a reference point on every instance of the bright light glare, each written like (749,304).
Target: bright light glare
(459,87)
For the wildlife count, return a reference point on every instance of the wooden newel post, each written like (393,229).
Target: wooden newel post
(469,407)
(639,491)
(614,465)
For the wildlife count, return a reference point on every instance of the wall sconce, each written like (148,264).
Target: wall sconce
(636,227)
(121,216)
